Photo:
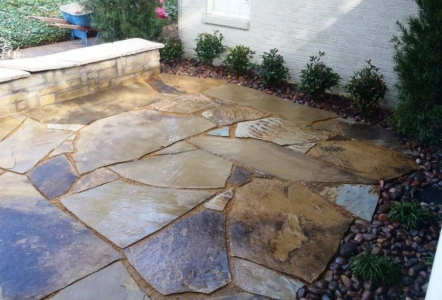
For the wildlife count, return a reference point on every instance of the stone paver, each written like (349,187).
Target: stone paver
(126,213)
(131,135)
(110,283)
(240,296)
(28,145)
(183,104)
(257,279)
(220,201)
(94,107)
(194,169)
(94,179)
(65,147)
(190,84)
(240,176)
(285,227)
(43,249)
(223,131)
(301,115)
(9,123)
(364,159)
(274,160)
(54,177)
(179,147)
(190,256)
(163,87)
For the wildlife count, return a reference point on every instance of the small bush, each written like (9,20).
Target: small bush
(410,214)
(317,77)
(238,59)
(375,269)
(209,46)
(273,69)
(173,50)
(368,88)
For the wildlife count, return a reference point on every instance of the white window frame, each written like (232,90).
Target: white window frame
(226,19)
(210,10)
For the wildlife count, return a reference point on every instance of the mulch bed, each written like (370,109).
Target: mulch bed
(411,248)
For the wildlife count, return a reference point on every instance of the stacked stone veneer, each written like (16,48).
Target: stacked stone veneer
(33,82)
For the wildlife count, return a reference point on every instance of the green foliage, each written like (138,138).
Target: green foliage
(418,64)
(122,19)
(273,69)
(368,88)
(23,32)
(375,269)
(172,9)
(173,50)
(410,214)
(317,77)
(238,59)
(209,46)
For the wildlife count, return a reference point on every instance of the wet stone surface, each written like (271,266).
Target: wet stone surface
(184,104)
(126,213)
(54,177)
(189,256)
(94,179)
(46,249)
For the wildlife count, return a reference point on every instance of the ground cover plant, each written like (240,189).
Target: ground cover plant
(23,32)
(411,214)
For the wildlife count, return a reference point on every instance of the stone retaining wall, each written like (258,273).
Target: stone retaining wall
(33,82)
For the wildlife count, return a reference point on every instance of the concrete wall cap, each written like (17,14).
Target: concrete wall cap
(136,45)
(10,74)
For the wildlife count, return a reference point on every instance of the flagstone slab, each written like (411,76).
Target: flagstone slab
(21,151)
(280,132)
(227,113)
(9,123)
(179,147)
(70,127)
(94,179)
(257,279)
(223,131)
(189,256)
(194,169)
(111,283)
(131,135)
(7,74)
(184,104)
(42,248)
(360,200)
(285,227)
(220,201)
(126,213)
(54,177)
(190,84)
(163,87)
(364,159)
(275,160)
(240,296)
(299,114)
(65,147)
(87,109)
(240,176)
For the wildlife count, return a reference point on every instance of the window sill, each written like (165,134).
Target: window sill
(227,21)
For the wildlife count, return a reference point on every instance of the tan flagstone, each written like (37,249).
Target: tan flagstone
(9,123)
(299,114)
(184,104)
(275,160)
(179,147)
(100,105)
(227,113)
(131,135)
(194,169)
(70,127)
(364,159)
(190,84)
(28,145)
(285,227)
(220,201)
(126,213)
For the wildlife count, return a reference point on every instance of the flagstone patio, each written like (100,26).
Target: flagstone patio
(181,188)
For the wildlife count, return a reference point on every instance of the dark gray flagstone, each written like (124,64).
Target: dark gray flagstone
(42,249)
(189,256)
(54,177)
(240,296)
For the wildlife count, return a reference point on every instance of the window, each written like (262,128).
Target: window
(229,13)
(230,8)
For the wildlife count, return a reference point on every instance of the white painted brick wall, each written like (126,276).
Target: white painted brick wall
(348,31)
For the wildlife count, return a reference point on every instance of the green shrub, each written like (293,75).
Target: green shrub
(122,19)
(23,32)
(375,269)
(418,61)
(410,214)
(238,59)
(209,46)
(316,78)
(273,69)
(172,9)
(173,50)
(368,88)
